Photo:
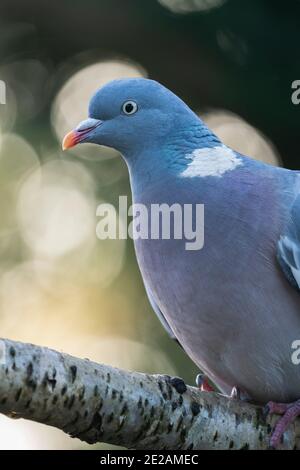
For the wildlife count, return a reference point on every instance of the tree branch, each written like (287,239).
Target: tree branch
(99,403)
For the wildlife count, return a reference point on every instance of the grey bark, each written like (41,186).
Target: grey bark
(99,403)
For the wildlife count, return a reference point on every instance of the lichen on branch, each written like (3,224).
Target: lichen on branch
(100,403)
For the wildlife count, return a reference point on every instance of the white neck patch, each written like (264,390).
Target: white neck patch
(211,161)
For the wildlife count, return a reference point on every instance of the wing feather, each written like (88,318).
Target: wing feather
(289,247)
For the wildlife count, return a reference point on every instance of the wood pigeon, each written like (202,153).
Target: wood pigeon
(233,305)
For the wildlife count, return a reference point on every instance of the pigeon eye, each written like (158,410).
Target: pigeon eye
(129,107)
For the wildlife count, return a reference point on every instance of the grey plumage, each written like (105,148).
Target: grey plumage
(234,305)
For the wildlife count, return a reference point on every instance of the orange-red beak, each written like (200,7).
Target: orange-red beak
(80,133)
(70,140)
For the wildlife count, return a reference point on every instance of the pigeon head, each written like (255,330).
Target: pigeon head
(131,115)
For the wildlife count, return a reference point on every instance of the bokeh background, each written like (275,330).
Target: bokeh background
(232,61)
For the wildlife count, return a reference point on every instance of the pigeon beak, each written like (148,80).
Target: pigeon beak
(81,133)
(70,140)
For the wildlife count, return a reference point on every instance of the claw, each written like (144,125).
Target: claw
(199,380)
(235,393)
(203,383)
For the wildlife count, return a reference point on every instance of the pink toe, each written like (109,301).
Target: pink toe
(291,412)
(277,408)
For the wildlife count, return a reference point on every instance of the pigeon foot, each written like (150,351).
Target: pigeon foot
(203,383)
(289,412)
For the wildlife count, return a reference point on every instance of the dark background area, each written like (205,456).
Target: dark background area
(242,56)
